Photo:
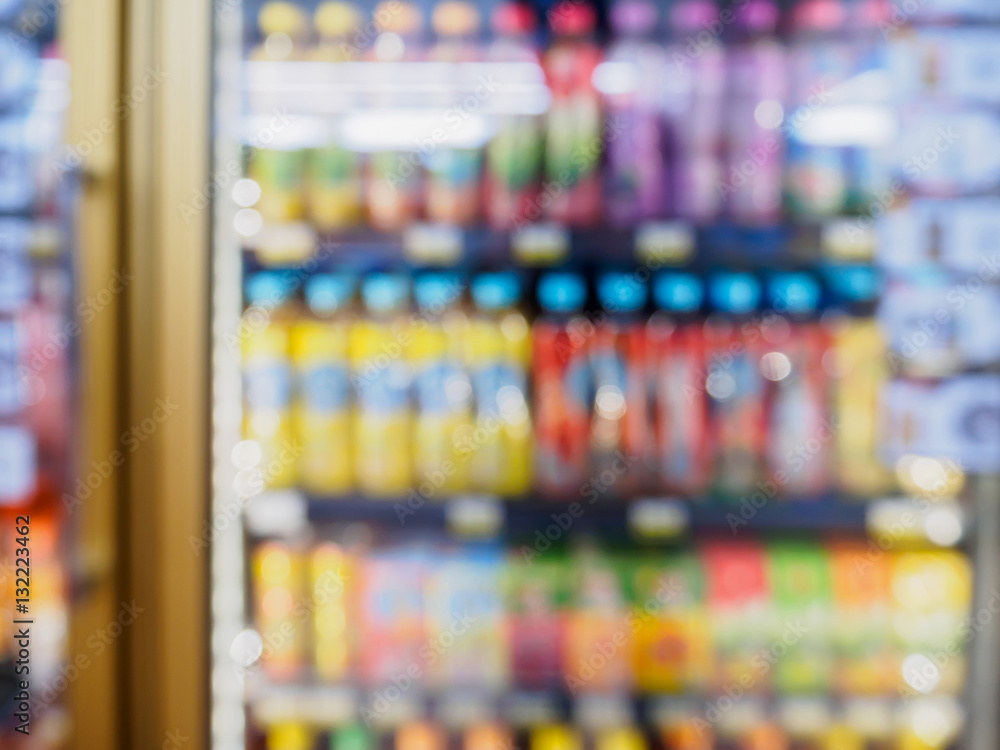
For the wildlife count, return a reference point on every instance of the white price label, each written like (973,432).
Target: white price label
(433,244)
(662,242)
(658,517)
(540,244)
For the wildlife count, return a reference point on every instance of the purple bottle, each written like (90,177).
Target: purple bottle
(693,105)
(757,92)
(631,80)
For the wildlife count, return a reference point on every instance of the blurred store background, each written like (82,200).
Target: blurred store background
(493,375)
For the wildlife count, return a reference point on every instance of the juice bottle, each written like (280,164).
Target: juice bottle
(487,737)
(632,81)
(334,172)
(555,737)
(821,60)
(680,404)
(453,172)
(757,92)
(331,571)
(390,614)
(393,190)
(864,657)
(574,140)
(464,619)
(620,429)
(858,377)
(536,587)
(267,376)
(598,636)
(420,735)
(380,373)
(800,581)
(740,609)
(319,346)
(620,738)
(672,650)
(800,433)
(498,354)
(693,105)
(514,153)
(289,736)
(562,385)
(686,733)
(279,587)
(284,29)
(441,387)
(351,737)
(735,387)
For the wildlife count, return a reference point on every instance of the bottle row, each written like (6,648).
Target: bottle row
(863,726)
(787,617)
(364,393)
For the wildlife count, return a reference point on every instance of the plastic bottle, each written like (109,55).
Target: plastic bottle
(799,431)
(442,390)
(393,191)
(498,354)
(555,737)
(351,737)
(320,349)
(289,736)
(562,385)
(284,29)
(758,88)
(420,735)
(279,586)
(383,416)
(536,585)
(331,568)
(632,81)
(334,171)
(620,738)
(682,459)
(454,172)
(735,386)
(267,375)
(514,154)
(693,97)
(620,428)
(574,139)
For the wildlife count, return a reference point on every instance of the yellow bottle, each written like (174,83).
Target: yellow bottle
(442,390)
(620,738)
(284,28)
(319,346)
(330,575)
(278,589)
(380,375)
(267,420)
(289,736)
(555,737)
(498,355)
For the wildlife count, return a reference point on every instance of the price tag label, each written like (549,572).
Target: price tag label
(600,711)
(530,709)
(277,513)
(478,515)
(664,242)
(540,244)
(847,239)
(433,244)
(18,464)
(941,522)
(658,517)
(284,244)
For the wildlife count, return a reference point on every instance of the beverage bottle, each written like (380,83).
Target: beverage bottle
(498,355)
(620,738)
(380,374)
(284,32)
(632,81)
(441,386)
(820,61)
(686,733)
(289,735)
(693,95)
(487,737)
(267,375)
(420,735)
(757,92)
(331,568)
(514,153)
(857,366)
(278,571)
(536,587)
(393,190)
(598,633)
(620,428)
(321,411)
(334,183)
(563,385)
(453,171)
(682,459)
(735,387)
(799,432)
(555,737)
(574,139)
(351,737)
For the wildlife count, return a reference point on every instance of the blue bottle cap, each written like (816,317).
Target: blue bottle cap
(734,292)
(621,292)
(382,292)
(854,283)
(269,287)
(681,292)
(561,292)
(437,289)
(496,291)
(328,292)
(794,292)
